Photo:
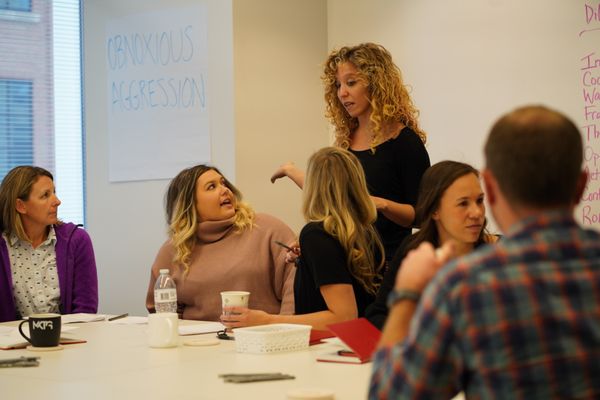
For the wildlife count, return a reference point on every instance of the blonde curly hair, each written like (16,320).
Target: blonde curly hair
(182,217)
(336,194)
(388,96)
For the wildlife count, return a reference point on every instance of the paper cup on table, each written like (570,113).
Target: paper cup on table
(234,298)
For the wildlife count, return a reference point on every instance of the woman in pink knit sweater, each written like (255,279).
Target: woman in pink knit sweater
(217,243)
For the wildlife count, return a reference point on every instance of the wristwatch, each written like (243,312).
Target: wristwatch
(398,295)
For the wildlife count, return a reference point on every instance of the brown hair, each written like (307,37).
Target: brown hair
(388,96)
(535,154)
(17,184)
(434,183)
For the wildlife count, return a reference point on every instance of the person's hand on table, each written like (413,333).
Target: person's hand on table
(237,317)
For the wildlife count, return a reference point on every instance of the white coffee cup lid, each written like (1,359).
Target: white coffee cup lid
(310,394)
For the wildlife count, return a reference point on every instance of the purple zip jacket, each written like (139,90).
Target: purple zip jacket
(77,276)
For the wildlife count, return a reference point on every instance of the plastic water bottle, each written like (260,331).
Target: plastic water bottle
(165,293)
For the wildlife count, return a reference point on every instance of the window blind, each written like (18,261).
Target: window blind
(40,95)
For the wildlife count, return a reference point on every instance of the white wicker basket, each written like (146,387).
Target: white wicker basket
(273,338)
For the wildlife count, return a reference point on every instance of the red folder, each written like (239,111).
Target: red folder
(359,335)
(317,336)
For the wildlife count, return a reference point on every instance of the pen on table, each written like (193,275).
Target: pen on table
(20,362)
(118,317)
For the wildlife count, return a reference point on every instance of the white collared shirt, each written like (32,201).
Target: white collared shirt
(35,276)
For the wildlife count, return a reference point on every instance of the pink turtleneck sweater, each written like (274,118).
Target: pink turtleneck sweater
(226,260)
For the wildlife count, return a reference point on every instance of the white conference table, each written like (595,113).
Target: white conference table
(116,363)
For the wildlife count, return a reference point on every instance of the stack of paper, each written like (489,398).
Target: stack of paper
(204,327)
(81,317)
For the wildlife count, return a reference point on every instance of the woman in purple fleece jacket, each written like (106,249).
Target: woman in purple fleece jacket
(45,265)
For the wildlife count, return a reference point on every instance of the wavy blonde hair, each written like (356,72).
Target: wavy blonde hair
(336,194)
(182,217)
(388,96)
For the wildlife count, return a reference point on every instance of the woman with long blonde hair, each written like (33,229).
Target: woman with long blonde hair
(375,118)
(217,243)
(341,254)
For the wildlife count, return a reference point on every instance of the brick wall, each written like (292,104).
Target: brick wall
(26,53)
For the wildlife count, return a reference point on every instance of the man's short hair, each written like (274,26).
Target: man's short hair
(535,153)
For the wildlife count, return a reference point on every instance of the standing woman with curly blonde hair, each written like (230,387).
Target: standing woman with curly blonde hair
(374,118)
(217,243)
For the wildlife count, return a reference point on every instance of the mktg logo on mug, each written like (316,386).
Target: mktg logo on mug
(43,325)
(44,330)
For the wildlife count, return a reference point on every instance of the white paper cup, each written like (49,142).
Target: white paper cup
(234,299)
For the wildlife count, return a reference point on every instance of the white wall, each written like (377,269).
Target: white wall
(278,50)
(278,116)
(126,220)
(469,61)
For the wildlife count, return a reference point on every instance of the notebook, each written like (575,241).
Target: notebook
(359,335)
(317,336)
